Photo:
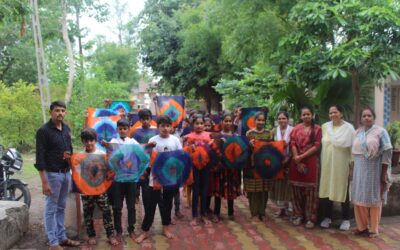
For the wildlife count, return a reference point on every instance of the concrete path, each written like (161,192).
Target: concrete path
(242,233)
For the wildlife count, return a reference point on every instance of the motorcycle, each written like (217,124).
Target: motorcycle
(12,189)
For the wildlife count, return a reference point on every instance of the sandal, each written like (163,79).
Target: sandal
(309,225)
(373,235)
(280,213)
(56,247)
(361,233)
(70,243)
(297,221)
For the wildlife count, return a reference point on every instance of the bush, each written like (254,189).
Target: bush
(20,115)
(394,133)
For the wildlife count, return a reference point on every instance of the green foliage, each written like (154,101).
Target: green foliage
(394,133)
(17,55)
(118,62)
(192,45)
(252,88)
(95,91)
(13,10)
(19,115)
(334,40)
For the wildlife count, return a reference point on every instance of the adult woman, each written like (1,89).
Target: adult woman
(335,161)
(305,142)
(372,153)
(281,188)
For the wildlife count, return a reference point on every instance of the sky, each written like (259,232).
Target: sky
(95,28)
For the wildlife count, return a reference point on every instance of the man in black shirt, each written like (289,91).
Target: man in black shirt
(53,151)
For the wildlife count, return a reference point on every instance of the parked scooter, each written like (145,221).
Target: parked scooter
(12,189)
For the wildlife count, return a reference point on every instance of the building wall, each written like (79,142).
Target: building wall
(387,103)
(379,106)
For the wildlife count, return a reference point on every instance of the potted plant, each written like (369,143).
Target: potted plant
(394,133)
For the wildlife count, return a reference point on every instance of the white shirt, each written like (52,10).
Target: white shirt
(167,144)
(126,140)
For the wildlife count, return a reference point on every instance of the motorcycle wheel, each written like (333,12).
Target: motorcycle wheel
(19,192)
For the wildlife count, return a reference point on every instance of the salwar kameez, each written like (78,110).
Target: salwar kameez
(303,177)
(371,149)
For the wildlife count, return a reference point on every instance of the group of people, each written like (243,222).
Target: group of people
(321,165)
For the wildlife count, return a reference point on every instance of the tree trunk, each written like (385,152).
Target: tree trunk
(213,99)
(71,63)
(355,83)
(81,68)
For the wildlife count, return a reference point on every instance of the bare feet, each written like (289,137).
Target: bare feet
(132,235)
(113,241)
(205,220)
(167,233)
(216,219)
(262,218)
(194,222)
(142,237)
(179,215)
(92,241)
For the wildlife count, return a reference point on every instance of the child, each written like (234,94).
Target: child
(177,196)
(213,182)
(208,124)
(164,142)
(255,187)
(230,178)
(200,185)
(89,138)
(142,135)
(123,190)
(187,192)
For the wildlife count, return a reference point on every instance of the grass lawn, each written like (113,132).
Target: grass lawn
(28,170)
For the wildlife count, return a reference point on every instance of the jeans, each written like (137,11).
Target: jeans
(60,184)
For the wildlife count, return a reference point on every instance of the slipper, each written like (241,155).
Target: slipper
(56,247)
(361,233)
(373,235)
(70,243)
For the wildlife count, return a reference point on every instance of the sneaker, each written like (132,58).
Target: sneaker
(326,223)
(345,226)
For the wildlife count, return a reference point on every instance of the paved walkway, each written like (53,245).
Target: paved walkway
(242,233)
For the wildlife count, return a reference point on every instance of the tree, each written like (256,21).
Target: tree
(341,39)
(71,62)
(118,62)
